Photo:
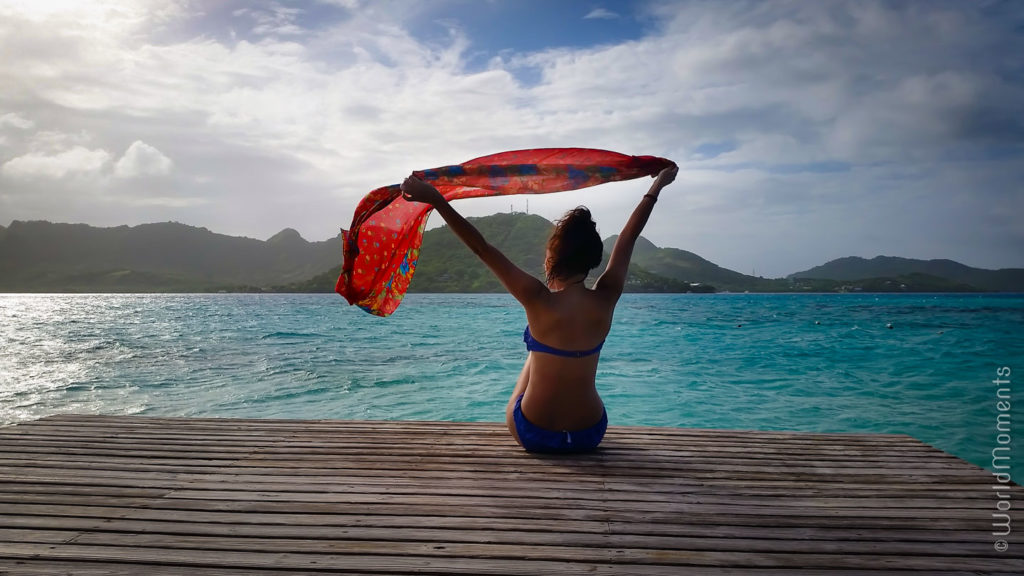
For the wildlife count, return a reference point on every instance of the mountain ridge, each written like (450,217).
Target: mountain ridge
(40,256)
(45,256)
(850,268)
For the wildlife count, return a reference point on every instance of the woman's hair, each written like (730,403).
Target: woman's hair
(574,247)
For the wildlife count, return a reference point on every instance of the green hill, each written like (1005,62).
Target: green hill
(164,257)
(446,265)
(689,267)
(853,268)
(916,282)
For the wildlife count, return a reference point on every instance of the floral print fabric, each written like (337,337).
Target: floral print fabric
(382,245)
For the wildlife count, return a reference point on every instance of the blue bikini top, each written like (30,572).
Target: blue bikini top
(534,346)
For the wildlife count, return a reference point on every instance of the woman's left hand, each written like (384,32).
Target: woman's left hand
(417,190)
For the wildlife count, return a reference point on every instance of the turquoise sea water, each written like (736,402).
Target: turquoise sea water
(742,361)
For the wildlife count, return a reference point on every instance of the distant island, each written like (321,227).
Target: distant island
(44,257)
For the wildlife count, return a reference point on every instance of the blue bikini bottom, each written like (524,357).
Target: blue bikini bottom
(537,439)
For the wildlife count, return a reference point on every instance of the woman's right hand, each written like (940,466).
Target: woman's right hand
(417,190)
(664,178)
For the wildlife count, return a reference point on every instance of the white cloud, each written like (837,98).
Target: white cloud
(141,159)
(601,14)
(272,20)
(77,161)
(348,4)
(49,142)
(15,120)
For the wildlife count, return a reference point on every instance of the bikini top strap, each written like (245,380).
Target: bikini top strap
(533,345)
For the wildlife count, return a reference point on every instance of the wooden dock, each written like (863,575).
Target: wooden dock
(149,496)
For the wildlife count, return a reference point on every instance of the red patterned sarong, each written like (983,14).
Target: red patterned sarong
(383,243)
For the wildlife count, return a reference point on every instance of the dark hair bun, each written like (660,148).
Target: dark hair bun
(575,246)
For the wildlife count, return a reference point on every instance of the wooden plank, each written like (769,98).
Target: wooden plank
(400,446)
(34,567)
(51,567)
(603,562)
(679,503)
(295,525)
(68,482)
(484,434)
(318,538)
(313,476)
(582,468)
(476,432)
(446,427)
(327,562)
(116,474)
(384,459)
(385,455)
(713,554)
(422,507)
(358,494)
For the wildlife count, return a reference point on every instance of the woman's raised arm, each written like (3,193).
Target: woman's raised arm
(521,285)
(613,280)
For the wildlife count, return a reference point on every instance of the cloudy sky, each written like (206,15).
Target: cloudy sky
(805,131)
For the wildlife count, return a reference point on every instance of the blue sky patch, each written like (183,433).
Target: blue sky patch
(709,150)
(525,26)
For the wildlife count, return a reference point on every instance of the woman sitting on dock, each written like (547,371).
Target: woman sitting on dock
(555,406)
